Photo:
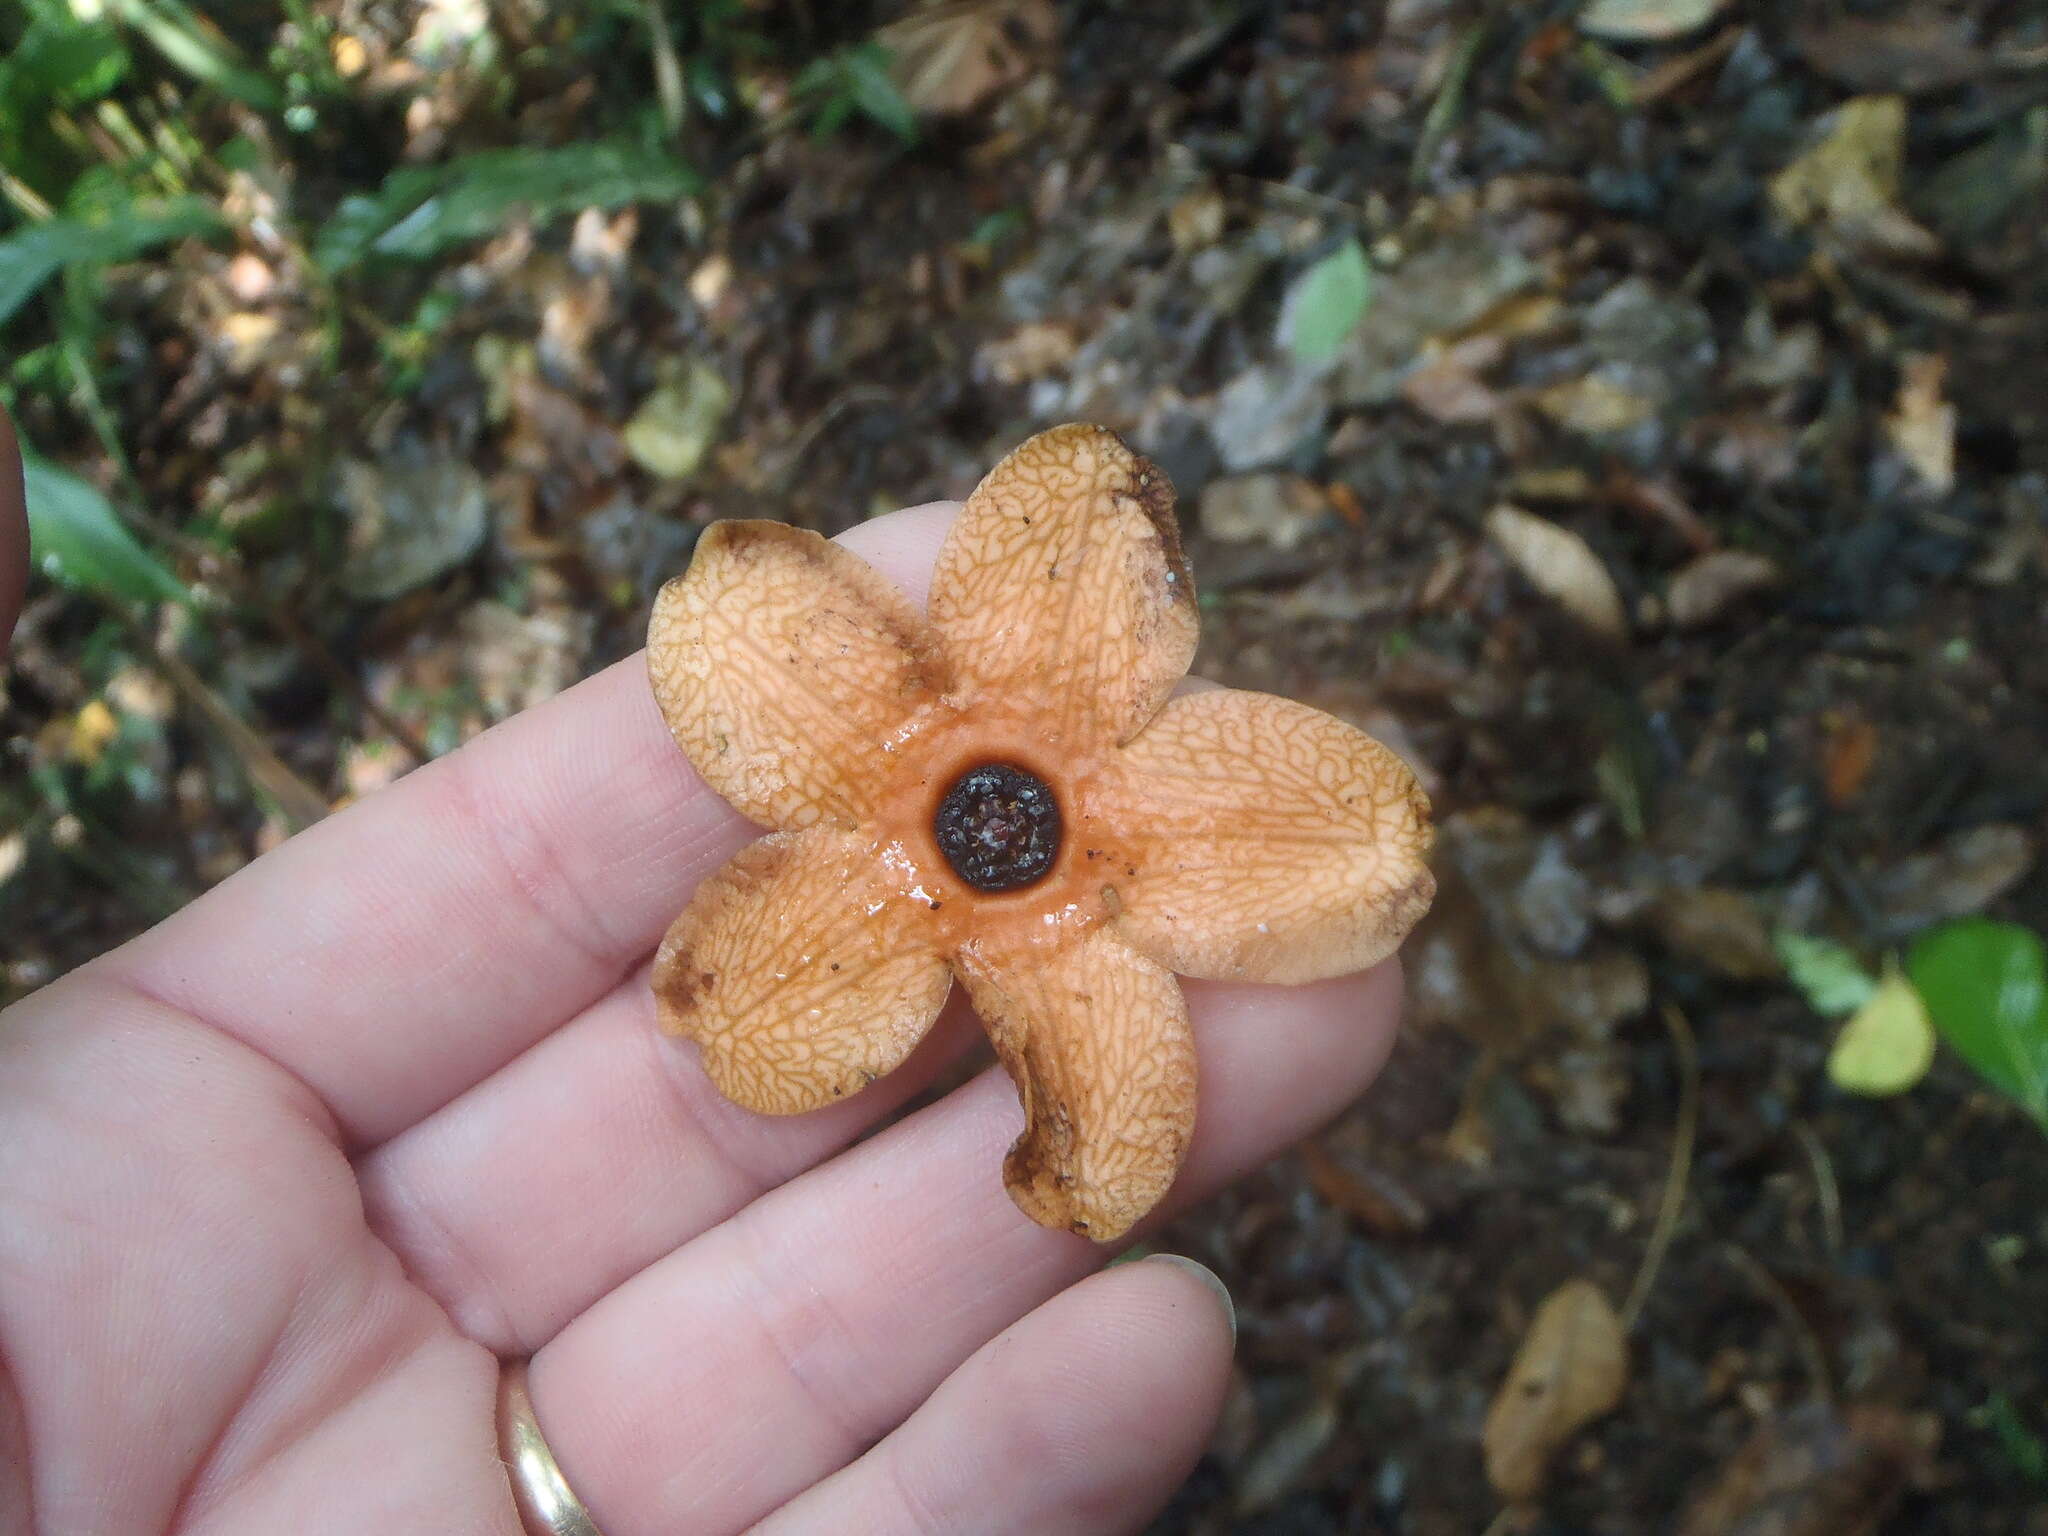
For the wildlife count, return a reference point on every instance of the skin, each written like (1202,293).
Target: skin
(284,1176)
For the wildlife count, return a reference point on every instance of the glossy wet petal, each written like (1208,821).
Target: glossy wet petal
(1096,1038)
(783,664)
(1063,582)
(1269,841)
(800,971)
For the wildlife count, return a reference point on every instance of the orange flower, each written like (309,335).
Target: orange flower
(1002,789)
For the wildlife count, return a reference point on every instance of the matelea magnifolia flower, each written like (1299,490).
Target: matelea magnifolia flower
(1005,789)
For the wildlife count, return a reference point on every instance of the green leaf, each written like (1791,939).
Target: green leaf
(199,50)
(1887,1045)
(422,210)
(874,91)
(1326,303)
(1986,985)
(69,62)
(1832,979)
(2023,1448)
(76,538)
(30,257)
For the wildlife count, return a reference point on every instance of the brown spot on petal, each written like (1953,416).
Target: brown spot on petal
(1096,1038)
(801,972)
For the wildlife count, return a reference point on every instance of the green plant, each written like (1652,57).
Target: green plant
(420,211)
(1326,303)
(1982,986)
(851,80)
(75,537)
(30,257)
(1986,985)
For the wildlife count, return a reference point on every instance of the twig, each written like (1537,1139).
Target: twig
(668,69)
(1676,1175)
(1824,1183)
(1781,1301)
(1450,98)
(300,802)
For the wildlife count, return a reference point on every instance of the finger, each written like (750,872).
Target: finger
(489,1199)
(1082,1417)
(403,950)
(13,532)
(826,1311)
(598,1151)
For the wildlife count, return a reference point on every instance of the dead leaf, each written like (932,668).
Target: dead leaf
(1913,52)
(1647,21)
(949,59)
(1922,424)
(1847,756)
(1032,351)
(1847,184)
(1706,588)
(1719,928)
(1817,1472)
(1571,1369)
(1594,405)
(1447,388)
(1371,1195)
(1562,566)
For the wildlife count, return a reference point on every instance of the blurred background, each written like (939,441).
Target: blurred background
(1631,411)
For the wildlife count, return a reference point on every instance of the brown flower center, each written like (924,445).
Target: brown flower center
(999,827)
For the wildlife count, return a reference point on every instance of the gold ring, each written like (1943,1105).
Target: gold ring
(545,1503)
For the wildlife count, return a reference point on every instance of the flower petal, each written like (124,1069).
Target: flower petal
(800,972)
(1264,840)
(1064,581)
(782,662)
(1096,1038)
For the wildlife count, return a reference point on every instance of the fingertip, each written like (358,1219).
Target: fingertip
(904,546)
(1206,1281)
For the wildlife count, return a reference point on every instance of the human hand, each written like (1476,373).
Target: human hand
(282,1179)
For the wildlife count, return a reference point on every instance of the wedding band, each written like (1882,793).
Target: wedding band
(545,1503)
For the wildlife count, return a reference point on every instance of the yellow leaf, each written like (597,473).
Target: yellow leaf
(1848,183)
(92,732)
(1572,1368)
(1888,1044)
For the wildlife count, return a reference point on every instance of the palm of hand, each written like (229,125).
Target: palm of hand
(281,1180)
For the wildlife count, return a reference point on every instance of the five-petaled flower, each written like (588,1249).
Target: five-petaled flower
(1006,789)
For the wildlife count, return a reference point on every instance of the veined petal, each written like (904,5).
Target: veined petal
(782,663)
(1096,1038)
(1064,581)
(1267,841)
(800,972)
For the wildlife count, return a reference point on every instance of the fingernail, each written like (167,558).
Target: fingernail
(1208,1277)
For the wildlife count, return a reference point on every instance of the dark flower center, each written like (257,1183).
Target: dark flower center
(999,827)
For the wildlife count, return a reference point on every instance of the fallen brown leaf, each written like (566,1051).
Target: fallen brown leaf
(951,58)
(1922,423)
(1562,566)
(1817,1471)
(1707,587)
(1571,1369)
